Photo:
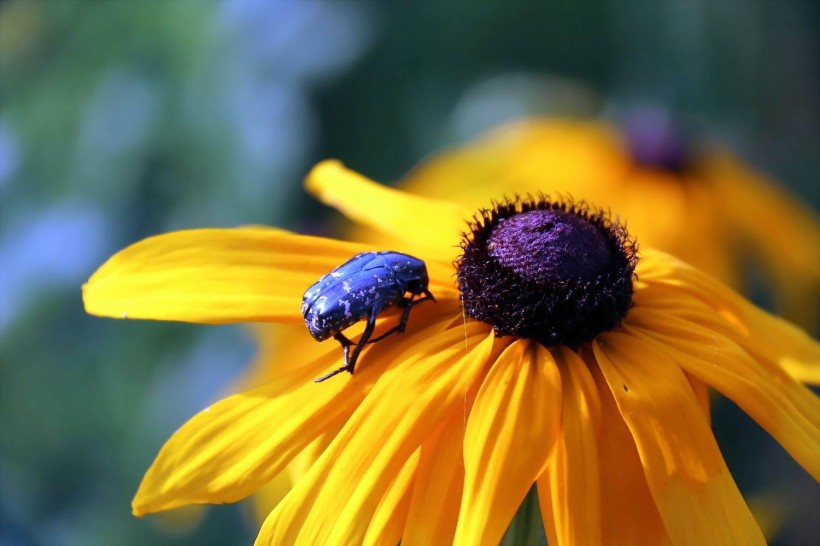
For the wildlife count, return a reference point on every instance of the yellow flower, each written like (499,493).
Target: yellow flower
(442,430)
(703,206)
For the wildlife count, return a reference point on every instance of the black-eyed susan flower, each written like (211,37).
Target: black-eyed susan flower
(555,355)
(690,198)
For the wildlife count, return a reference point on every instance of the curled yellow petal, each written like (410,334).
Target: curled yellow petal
(419,221)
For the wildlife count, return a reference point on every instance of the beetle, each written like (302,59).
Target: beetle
(361,288)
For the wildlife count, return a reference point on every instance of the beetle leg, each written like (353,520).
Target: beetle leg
(343,340)
(408,303)
(350,360)
(368,331)
(405,316)
(345,343)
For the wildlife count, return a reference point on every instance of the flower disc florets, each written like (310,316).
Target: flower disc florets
(556,272)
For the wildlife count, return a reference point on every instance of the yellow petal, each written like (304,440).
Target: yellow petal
(439,484)
(784,408)
(434,226)
(388,522)
(761,334)
(234,447)
(265,500)
(427,319)
(335,501)
(696,496)
(214,276)
(569,491)
(629,516)
(510,432)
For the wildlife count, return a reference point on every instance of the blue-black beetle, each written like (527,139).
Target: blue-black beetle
(361,288)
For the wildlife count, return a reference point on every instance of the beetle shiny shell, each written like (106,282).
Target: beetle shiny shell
(360,289)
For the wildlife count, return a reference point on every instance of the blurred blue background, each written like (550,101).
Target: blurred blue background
(122,119)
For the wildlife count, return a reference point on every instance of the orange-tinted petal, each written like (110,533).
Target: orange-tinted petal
(430,379)
(784,408)
(696,496)
(434,226)
(702,394)
(629,516)
(214,276)
(569,490)
(510,432)
(761,334)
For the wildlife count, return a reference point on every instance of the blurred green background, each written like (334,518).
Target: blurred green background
(122,119)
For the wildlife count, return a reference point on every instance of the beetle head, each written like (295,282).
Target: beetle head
(419,288)
(412,273)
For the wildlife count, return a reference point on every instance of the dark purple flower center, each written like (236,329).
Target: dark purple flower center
(551,271)
(550,244)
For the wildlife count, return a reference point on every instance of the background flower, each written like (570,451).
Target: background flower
(127,119)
